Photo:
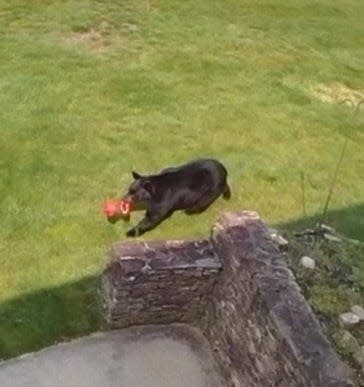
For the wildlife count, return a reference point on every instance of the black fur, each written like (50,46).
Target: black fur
(191,187)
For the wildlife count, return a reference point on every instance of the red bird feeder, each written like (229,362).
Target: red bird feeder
(117,209)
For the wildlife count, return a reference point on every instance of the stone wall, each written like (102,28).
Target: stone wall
(263,331)
(238,290)
(158,282)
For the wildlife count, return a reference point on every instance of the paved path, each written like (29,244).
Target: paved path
(160,356)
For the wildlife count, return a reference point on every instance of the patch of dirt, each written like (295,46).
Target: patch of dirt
(92,39)
(99,39)
(338,93)
(95,39)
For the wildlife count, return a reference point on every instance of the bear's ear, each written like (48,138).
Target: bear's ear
(136,175)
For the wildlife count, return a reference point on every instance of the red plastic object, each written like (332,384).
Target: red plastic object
(112,207)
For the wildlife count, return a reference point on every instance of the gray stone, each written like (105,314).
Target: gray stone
(348,319)
(359,311)
(354,241)
(208,263)
(332,238)
(307,262)
(277,238)
(327,228)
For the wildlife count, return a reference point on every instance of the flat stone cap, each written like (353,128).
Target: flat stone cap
(135,257)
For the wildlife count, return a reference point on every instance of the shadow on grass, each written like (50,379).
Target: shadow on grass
(48,316)
(347,221)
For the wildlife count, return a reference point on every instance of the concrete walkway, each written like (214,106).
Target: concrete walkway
(158,356)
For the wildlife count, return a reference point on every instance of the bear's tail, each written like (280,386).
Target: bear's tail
(226,193)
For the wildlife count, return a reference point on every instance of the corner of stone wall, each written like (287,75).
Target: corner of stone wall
(263,330)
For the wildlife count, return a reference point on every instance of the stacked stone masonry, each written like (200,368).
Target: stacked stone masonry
(237,289)
(158,283)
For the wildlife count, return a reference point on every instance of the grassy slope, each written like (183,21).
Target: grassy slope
(160,82)
(336,284)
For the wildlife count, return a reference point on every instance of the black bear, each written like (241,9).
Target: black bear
(191,187)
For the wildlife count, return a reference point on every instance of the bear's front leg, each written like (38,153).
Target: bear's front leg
(148,223)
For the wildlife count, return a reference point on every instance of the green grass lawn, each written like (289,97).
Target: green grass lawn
(91,89)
